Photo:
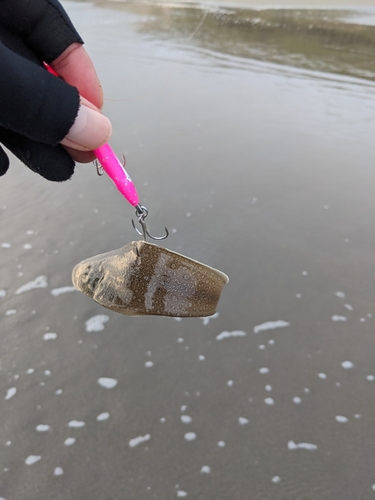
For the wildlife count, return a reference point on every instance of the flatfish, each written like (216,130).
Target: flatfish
(142,279)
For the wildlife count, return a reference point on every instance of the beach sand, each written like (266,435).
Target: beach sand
(258,155)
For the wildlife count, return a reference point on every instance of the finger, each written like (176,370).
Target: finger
(90,130)
(76,68)
(80,156)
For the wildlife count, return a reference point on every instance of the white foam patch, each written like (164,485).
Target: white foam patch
(10,392)
(64,289)
(138,440)
(221,444)
(58,392)
(230,383)
(268,387)
(6,245)
(341,419)
(76,424)
(102,416)
(58,471)
(27,246)
(243,421)
(264,370)
(96,323)
(335,317)
(371,378)
(32,459)
(50,336)
(207,319)
(30,371)
(149,364)
(297,400)
(227,335)
(348,306)
(39,282)
(181,493)
(322,375)
(269,401)
(201,357)
(205,469)
(276,479)
(340,294)
(271,325)
(301,446)
(347,365)
(190,436)
(3,294)
(10,312)
(185,419)
(69,441)
(43,428)
(107,382)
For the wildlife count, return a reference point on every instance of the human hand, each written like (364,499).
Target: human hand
(37,110)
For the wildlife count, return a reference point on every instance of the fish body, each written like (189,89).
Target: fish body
(142,279)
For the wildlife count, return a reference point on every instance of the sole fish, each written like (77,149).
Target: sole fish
(142,279)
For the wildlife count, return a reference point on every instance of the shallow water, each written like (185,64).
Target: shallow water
(263,169)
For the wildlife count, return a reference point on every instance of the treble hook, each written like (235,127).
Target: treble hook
(141,213)
(99,168)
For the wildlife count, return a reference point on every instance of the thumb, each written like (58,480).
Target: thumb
(90,130)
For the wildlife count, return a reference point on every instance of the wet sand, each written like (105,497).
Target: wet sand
(262,169)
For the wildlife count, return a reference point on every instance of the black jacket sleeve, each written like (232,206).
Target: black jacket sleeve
(36,108)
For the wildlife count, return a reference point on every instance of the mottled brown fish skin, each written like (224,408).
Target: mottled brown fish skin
(142,278)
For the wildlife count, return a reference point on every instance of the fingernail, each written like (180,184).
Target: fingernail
(90,130)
